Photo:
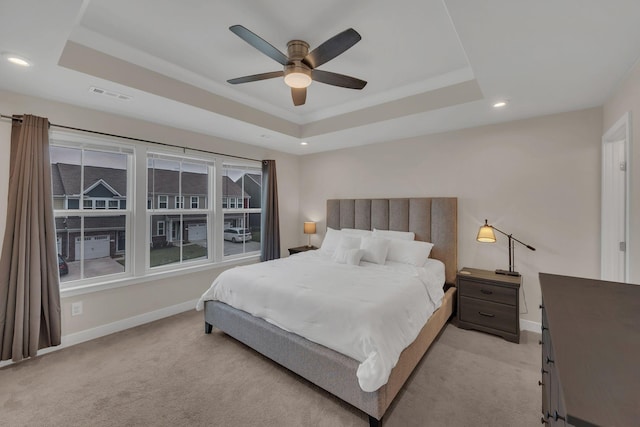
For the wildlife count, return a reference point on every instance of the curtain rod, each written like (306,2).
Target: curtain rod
(19,118)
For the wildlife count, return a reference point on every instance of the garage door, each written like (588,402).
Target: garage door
(197,232)
(94,247)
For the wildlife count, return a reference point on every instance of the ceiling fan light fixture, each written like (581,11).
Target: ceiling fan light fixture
(297,76)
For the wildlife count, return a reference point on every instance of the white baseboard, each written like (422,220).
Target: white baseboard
(528,325)
(120,325)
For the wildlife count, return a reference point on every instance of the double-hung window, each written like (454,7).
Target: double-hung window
(242,188)
(86,179)
(185,237)
(125,211)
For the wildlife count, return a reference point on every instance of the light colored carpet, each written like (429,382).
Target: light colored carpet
(169,373)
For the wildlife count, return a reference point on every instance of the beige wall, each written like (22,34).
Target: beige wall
(105,307)
(627,99)
(538,179)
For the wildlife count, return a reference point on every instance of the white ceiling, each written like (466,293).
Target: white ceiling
(431,65)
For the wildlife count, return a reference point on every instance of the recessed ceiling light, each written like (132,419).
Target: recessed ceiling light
(17,59)
(304,143)
(499,104)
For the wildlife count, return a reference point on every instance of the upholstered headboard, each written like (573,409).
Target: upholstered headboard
(432,219)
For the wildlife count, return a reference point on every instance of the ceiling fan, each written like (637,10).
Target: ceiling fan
(300,64)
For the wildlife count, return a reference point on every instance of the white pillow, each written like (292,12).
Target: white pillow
(331,240)
(375,249)
(346,243)
(388,234)
(348,256)
(409,252)
(356,232)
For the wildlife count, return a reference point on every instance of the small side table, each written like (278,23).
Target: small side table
(489,302)
(301,249)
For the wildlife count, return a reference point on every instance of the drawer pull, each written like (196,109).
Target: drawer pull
(558,417)
(544,420)
(482,313)
(544,328)
(549,360)
(486,292)
(542,371)
(540,342)
(540,383)
(541,306)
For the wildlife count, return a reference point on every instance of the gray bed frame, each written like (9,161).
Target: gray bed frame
(431,219)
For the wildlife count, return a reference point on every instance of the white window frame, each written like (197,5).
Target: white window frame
(137,229)
(84,142)
(160,232)
(179,202)
(166,201)
(238,201)
(197,202)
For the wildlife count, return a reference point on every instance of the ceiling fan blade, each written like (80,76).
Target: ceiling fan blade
(259,43)
(256,77)
(299,95)
(332,48)
(336,79)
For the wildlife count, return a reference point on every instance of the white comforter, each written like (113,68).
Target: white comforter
(369,312)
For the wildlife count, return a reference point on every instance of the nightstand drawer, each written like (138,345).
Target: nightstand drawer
(485,291)
(489,314)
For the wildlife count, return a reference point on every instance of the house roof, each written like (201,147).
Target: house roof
(66,178)
(66,181)
(232,189)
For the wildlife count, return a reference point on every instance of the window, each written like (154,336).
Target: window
(163,202)
(100,219)
(186,238)
(84,236)
(242,187)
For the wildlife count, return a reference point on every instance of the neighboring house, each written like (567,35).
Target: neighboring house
(164,193)
(106,188)
(253,187)
(234,198)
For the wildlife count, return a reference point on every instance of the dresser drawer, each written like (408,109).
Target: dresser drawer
(489,314)
(486,291)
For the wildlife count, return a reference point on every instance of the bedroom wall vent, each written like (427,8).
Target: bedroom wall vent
(110,94)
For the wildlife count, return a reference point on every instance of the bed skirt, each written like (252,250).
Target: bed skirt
(328,369)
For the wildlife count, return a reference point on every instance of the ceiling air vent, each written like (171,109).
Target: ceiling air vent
(110,94)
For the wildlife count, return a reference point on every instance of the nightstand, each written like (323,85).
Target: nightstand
(489,302)
(301,249)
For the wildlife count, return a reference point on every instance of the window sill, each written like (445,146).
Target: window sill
(150,276)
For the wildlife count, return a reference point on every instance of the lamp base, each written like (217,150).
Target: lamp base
(508,273)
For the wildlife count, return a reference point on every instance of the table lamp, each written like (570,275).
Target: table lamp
(309,228)
(486,235)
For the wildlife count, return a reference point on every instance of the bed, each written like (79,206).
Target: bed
(431,220)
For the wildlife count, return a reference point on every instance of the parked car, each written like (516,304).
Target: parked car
(62,266)
(237,234)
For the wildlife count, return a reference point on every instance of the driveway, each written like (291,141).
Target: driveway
(92,268)
(231,248)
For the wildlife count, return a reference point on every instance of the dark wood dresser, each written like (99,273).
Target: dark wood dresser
(590,352)
(489,302)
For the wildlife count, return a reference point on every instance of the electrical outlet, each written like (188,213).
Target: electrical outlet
(76,308)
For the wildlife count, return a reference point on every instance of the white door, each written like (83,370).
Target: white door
(614,240)
(94,247)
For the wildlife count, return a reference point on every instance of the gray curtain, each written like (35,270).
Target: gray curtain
(270,223)
(29,281)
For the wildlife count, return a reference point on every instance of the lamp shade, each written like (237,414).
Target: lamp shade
(309,228)
(486,234)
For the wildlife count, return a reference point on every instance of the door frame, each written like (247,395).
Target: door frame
(619,131)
